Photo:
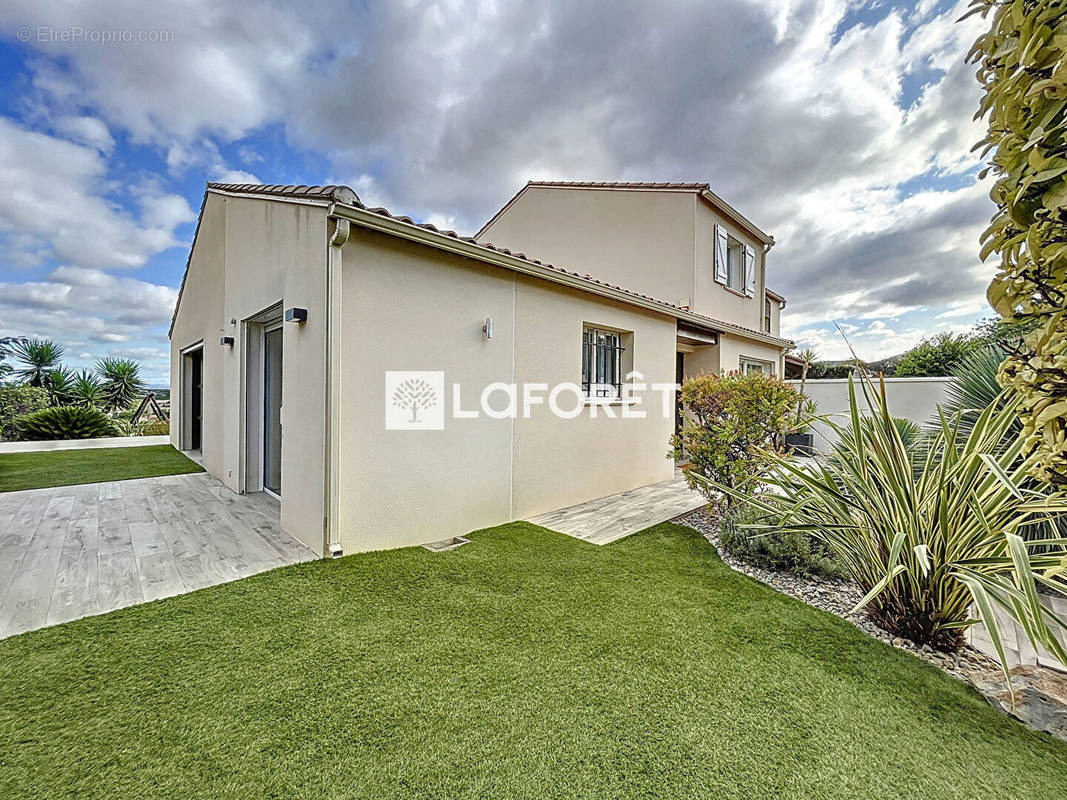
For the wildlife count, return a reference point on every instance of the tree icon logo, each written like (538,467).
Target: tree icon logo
(414,401)
(413,395)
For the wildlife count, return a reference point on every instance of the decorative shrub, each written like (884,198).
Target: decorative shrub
(926,545)
(729,421)
(767,546)
(16,401)
(65,422)
(1020,64)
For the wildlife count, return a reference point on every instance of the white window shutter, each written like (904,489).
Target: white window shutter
(750,271)
(721,247)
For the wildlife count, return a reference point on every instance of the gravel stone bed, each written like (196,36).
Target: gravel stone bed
(839,598)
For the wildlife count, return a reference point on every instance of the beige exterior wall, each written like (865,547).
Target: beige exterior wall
(250,255)
(559,462)
(702,360)
(408,307)
(776,317)
(732,348)
(713,298)
(640,240)
(660,243)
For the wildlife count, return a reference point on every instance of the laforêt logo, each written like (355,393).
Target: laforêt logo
(414,401)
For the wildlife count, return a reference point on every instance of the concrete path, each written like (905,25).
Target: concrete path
(82,444)
(608,519)
(73,551)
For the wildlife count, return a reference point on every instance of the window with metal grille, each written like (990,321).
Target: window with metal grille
(767,315)
(601,363)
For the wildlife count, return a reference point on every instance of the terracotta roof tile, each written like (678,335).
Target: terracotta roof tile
(339,194)
(691,187)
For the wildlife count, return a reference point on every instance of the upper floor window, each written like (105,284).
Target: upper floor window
(767,315)
(735,262)
(735,265)
(602,352)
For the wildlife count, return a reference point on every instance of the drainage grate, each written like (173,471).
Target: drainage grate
(445,545)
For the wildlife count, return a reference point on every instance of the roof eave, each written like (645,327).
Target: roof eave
(490,255)
(736,217)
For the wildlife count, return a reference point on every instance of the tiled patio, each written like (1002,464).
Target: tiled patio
(608,519)
(74,551)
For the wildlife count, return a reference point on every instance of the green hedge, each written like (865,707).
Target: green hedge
(16,401)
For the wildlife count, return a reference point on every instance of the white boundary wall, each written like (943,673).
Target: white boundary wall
(912,398)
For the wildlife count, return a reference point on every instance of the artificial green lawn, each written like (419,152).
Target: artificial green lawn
(67,467)
(525,664)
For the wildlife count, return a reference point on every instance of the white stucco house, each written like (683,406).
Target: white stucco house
(356,364)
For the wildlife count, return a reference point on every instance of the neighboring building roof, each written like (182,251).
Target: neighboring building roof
(333,194)
(703,190)
(775,296)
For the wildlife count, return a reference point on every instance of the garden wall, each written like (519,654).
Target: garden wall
(913,398)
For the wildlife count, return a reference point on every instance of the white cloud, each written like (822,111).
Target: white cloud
(88,131)
(91,313)
(444,110)
(52,205)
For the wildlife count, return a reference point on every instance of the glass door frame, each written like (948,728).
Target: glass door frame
(265,437)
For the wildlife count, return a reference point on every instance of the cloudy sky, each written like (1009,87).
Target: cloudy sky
(843,128)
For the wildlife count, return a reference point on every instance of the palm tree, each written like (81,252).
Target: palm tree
(38,357)
(121,382)
(808,356)
(86,390)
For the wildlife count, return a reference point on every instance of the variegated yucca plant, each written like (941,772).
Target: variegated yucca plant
(927,542)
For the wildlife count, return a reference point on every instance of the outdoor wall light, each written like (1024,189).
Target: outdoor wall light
(226,341)
(296,314)
(487,328)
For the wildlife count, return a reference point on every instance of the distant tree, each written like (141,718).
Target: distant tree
(120,382)
(1006,334)
(936,356)
(37,357)
(414,394)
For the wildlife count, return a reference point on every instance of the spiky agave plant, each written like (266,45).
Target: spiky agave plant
(927,544)
(120,382)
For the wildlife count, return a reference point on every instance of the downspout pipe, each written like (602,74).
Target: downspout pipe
(332,411)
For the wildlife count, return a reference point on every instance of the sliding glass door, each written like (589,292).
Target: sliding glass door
(272,410)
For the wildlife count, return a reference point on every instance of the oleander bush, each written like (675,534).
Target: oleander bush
(65,422)
(729,420)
